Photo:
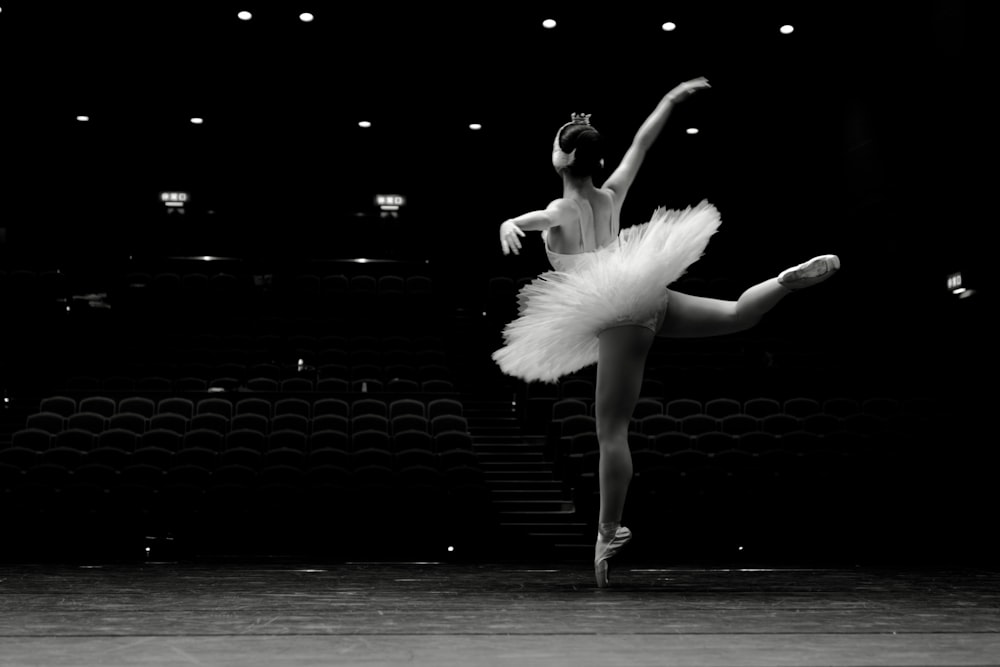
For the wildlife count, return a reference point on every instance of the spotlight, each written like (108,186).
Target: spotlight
(475,126)
(365,123)
(197,121)
(549,23)
(306,17)
(669,26)
(83,119)
(786,29)
(692,130)
(245,16)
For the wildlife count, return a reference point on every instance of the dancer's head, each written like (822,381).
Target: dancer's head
(578,148)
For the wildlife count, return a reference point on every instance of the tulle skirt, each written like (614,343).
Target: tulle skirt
(562,313)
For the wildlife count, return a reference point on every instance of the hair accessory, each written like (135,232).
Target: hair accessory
(561,160)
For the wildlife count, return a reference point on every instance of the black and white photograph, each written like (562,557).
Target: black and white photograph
(530,334)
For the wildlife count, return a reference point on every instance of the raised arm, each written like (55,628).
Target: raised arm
(559,212)
(621,178)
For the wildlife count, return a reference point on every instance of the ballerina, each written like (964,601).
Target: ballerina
(606,298)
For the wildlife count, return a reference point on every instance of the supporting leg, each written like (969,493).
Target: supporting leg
(620,367)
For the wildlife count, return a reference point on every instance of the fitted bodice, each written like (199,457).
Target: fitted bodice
(588,246)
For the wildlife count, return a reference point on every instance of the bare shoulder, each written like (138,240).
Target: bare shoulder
(562,211)
(613,195)
(607,192)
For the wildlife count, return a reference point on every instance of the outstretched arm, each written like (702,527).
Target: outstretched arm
(559,212)
(621,178)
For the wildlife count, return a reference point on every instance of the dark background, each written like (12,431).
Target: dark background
(861,134)
(864,133)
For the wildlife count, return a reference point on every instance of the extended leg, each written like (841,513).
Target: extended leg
(695,317)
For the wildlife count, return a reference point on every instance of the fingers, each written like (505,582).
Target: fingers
(515,244)
(510,245)
(509,240)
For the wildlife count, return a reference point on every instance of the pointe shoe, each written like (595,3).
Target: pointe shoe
(810,272)
(606,550)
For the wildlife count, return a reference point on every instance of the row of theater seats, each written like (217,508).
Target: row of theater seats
(304,440)
(758,407)
(738,424)
(363,381)
(755,450)
(139,453)
(756,461)
(94,423)
(117,450)
(107,406)
(62,421)
(718,422)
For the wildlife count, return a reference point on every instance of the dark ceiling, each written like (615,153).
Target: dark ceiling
(821,123)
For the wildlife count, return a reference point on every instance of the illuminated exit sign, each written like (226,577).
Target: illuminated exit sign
(390,202)
(174,199)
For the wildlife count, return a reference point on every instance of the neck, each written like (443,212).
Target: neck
(572,184)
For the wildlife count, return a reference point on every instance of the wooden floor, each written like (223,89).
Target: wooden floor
(314,613)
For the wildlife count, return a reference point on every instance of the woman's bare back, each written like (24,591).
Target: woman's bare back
(599,211)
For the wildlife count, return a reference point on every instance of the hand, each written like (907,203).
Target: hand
(509,241)
(688,88)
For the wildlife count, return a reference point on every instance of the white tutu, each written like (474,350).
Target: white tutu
(561,313)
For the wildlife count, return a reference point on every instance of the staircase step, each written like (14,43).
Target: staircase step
(490,465)
(503,474)
(492,421)
(495,432)
(531,502)
(504,448)
(492,410)
(508,507)
(510,439)
(562,530)
(502,462)
(526,484)
(563,539)
(529,494)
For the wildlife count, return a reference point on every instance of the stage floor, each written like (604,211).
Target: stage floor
(314,613)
